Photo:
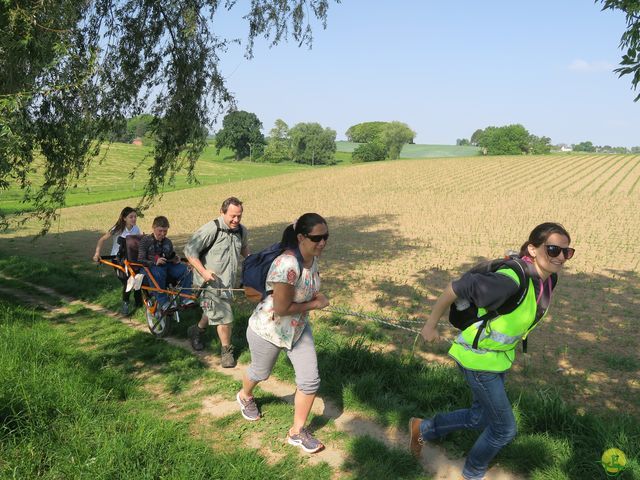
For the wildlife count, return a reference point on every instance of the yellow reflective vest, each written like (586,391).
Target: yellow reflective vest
(497,346)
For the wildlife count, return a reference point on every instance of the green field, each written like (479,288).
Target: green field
(109,175)
(420,151)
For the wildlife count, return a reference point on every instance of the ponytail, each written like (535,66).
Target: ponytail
(302,226)
(289,237)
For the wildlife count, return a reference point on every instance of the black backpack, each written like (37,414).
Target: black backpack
(463,315)
(256,268)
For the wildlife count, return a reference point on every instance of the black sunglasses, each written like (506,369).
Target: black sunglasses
(317,238)
(554,250)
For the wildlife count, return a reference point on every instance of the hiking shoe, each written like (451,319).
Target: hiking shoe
(195,336)
(415,437)
(226,354)
(125,309)
(305,441)
(248,408)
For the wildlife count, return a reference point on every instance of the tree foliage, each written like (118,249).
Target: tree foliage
(365,132)
(506,140)
(312,144)
(241,132)
(475,137)
(387,137)
(139,126)
(394,135)
(584,147)
(510,140)
(539,145)
(71,71)
(370,152)
(278,147)
(630,40)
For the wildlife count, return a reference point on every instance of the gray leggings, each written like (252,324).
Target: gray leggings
(302,355)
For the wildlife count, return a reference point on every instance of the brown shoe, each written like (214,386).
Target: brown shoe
(227,360)
(415,438)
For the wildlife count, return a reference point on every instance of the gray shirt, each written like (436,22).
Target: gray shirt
(223,258)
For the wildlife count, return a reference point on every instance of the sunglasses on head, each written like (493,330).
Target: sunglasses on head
(317,238)
(554,250)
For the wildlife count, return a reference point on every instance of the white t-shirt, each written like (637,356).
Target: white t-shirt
(125,233)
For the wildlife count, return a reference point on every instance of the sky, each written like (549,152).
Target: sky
(445,69)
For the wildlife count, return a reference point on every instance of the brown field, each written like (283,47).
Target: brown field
(401,230)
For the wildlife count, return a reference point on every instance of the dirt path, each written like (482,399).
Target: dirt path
(433,460)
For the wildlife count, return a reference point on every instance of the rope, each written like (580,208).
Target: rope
(384,320)
(219,289)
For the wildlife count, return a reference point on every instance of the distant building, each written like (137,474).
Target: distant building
(137,142)
(563,147)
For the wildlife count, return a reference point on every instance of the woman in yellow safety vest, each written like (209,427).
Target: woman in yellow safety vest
(484,367)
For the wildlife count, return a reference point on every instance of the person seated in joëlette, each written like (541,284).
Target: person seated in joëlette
(156,252)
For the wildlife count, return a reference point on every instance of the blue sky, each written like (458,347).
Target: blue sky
(446,69)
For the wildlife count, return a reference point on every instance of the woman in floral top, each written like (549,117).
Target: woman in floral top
(281,322)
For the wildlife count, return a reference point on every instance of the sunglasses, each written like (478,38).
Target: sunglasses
(317,238)
(554,250)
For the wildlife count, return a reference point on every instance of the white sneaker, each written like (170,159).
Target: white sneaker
(130,283)
(137,283)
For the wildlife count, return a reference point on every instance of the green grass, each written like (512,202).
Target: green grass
(433,151)
(109,179)
(420,151)
(66,412)
(555,440)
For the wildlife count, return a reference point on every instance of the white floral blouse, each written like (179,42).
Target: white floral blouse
(284,331)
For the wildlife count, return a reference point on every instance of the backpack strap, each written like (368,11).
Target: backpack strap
(204,251)
(242,233)
(520,267)
(299,258)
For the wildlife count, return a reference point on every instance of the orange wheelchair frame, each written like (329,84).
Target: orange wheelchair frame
(159,321)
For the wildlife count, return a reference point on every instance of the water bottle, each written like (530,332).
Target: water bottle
(462,304)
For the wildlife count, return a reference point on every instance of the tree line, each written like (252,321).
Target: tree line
(516,140)
(507,140)
(588,146)
(308,143)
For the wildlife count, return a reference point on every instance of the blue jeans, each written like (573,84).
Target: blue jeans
(490,412)
(178,272)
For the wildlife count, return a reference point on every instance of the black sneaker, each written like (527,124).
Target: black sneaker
(195,336)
